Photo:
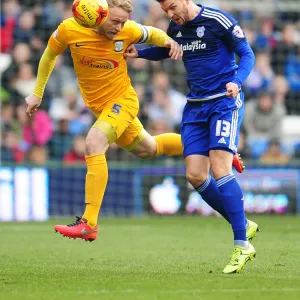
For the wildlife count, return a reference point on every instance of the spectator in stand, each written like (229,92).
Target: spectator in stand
(37,155)
(284,49)
(25,79)
(21,53)
(10,11)
(24,31)
(280,88)
(167,103)
(76,155)
(292,72)
(61,141)
(10,148)
(265,39)
(261,75)
(274,154)
(263,117)
(8,121)
(243,146)
(37,130)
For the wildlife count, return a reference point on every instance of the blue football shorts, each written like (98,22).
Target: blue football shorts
(212,125)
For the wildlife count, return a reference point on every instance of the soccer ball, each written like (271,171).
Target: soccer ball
(90,13)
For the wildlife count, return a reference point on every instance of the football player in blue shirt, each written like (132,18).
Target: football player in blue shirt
(212,117)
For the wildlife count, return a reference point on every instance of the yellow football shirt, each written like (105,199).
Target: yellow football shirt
(98,62)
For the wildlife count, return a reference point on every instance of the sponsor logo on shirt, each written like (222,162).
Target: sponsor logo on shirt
(98,63)
(194,45)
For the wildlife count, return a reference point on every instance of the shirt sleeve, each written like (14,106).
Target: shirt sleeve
(58,41)
(226,27)
(149,35)
(246,64)
(154,53)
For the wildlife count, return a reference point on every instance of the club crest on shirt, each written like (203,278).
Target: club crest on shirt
(119,45)
(238,32)
(200,31)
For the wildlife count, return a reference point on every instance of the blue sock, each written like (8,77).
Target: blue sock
(232,197)
(212,196)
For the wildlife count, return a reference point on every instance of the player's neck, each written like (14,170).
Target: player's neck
(193,11)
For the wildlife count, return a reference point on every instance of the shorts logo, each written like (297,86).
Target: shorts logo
(119,46)
(200,31)
(116,109)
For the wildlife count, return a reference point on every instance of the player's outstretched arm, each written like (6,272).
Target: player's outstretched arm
(46,65)
(159,38)
(151,53)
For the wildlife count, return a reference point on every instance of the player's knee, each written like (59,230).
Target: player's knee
(220,170)
(145,153)
(195,177)
(145,149)
(96,142)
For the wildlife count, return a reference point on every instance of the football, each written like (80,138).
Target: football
(90,13)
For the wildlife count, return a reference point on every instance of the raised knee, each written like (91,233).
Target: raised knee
(146,154)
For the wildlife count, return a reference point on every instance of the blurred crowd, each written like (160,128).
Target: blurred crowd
(271,129)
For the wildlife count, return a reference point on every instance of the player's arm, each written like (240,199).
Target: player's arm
(46,66)
(247,61)
(161,40)
(151,53)
(234,38)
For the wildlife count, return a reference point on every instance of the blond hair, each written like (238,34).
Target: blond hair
(124,4)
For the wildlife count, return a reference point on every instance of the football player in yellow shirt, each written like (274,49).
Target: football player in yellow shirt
(101,69)
(99,63)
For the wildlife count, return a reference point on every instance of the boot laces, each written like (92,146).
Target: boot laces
(76,223)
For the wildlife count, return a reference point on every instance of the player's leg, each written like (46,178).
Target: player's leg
(113,120)
(140,143)
(195,138)
(224,129)
(97,142)
(146,146)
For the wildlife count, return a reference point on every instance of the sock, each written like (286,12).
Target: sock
(169,144)
(95,185)
(232,197)
(212,196)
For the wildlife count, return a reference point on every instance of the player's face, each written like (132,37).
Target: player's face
(114,22)
(176,10)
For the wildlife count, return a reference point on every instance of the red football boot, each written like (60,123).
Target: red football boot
(78,230)
(238,163)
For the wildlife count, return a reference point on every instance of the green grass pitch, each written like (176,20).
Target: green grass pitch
(149,258)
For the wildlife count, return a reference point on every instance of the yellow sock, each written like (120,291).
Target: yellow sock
(95,185)
(169,144)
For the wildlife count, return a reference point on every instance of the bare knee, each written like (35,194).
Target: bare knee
(96,142)
(197,169)
(221,163)
(196,177)
(146,148)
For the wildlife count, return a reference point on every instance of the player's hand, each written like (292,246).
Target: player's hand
(131,52)
(175,49)
(33,102)
(232,89)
